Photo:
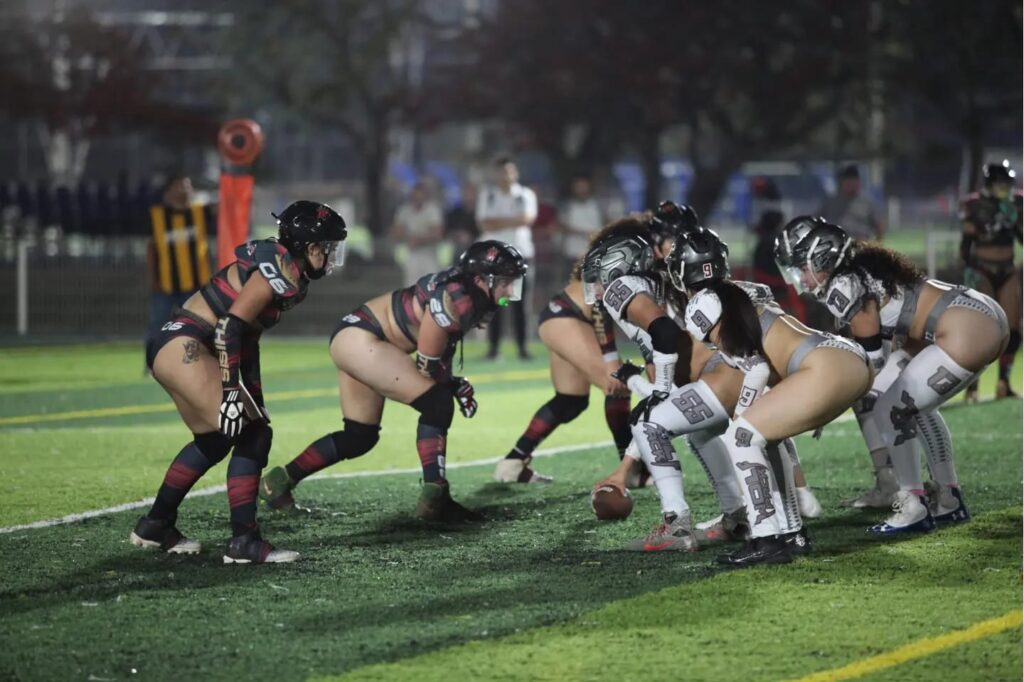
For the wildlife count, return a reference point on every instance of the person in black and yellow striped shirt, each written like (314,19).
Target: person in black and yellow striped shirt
(177,256)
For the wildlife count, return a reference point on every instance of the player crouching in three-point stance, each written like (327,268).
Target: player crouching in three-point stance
(931,339)
(207,358)
(371,350)
(580,337)
(813,376)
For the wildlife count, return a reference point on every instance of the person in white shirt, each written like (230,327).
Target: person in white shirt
(505,211)
(418,225)
(579,218)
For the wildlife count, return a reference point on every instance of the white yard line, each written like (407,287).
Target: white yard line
(213,490)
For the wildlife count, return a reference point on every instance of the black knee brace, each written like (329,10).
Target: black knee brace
(436,406)
(356,439)
(254,442)
(214,445)
(567,407)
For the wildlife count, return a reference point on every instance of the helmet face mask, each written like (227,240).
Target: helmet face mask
(808,263)
(500,266)
(304,224)
(616,257)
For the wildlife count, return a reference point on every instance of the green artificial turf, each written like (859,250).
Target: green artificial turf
(540,591)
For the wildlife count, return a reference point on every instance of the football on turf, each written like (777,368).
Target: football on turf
(611,503)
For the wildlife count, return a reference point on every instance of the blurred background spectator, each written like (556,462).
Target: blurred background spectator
(506,211)
(418,226)
(847,207)
(460,228)
(177,254)
(579,217)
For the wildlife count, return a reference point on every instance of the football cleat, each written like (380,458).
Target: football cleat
(768,550)
(161,534)
(436,504)
(879,497)
(518,471)
(947,505)
(276,492)
(251,548)
(910,514)
(731,527)
(810,508)
(797,542)
(673,534)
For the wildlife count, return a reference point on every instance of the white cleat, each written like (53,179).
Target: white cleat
(910,514)
(518,471)
(810,508)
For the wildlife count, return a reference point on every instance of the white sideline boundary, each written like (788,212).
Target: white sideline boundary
(213,490)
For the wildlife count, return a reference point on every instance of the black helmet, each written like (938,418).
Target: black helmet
(309,222)
(819,251)
(493,260)
(998,173)
(697,259)
(670,221)
(615,256)
(795,230)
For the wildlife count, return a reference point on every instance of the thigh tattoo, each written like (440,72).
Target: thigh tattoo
(191,352)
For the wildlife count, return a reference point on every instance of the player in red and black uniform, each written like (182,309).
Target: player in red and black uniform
(371,349)
(582,353)
(991,222)
(207,358)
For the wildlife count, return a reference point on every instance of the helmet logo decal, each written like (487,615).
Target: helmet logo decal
(708,272)
(322,213)
(492,254)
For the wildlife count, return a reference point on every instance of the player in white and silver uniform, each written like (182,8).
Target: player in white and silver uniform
(621,271)
(930,339)
(813,377)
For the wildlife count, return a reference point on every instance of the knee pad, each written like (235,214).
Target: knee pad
(567,407)
(254,442)
(357,439)
(214,445)
(436,406)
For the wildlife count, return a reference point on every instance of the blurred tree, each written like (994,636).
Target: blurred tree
(964,59)
(354,66)
(78,79)
(748,79)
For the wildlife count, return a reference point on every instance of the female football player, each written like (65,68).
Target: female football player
(207,359)
(949,334)
(581,342)
(814,377)
(991,222)
(371,350)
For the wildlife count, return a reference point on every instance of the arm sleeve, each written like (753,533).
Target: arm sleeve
(604,330)
(227,339)
(756,373)
(640,385)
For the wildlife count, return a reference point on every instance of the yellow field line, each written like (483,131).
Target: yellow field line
(919,649)
(125,410)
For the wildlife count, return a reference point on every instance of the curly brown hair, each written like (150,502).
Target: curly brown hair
(891,268)
(634,223)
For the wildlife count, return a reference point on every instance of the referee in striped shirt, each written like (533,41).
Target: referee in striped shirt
(177,255)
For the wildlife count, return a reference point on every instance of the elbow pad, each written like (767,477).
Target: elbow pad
(664,335)
(227,339)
